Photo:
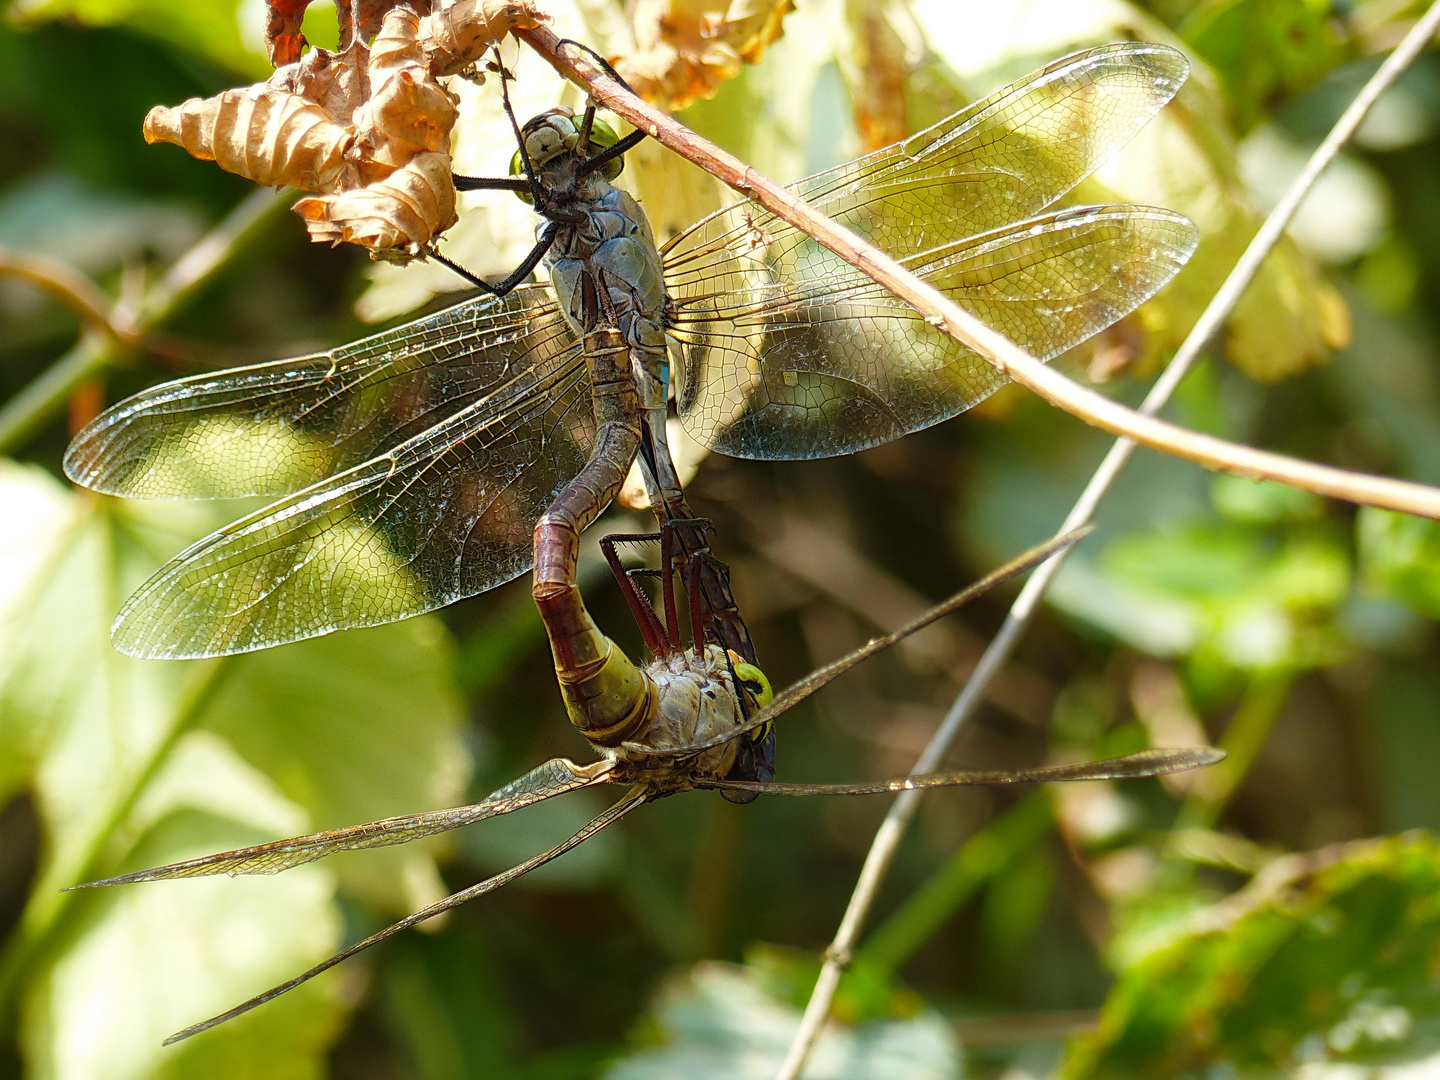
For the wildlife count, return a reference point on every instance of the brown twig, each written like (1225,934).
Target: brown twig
(42,399)
(1087,405)
(73,289)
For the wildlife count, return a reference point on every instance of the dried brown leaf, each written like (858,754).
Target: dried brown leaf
(687,48)
(283,40)
(458,34)
(271,136)
(367,127)
(394,217)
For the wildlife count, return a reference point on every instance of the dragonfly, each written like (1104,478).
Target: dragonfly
(434,461)
(705,703)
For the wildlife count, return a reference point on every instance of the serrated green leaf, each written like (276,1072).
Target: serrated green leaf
(1327,957)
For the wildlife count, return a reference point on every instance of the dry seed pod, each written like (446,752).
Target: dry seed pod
(396,216)
(268,135)
(459,32)
(687,48)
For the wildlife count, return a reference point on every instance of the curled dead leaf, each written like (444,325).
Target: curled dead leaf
(268,135)
(394,217)
(458,33)
(367,128)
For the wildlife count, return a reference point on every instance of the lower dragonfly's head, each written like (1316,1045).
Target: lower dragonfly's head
(555,133)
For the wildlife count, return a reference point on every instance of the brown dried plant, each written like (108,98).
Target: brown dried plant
(686,48)
(366,128)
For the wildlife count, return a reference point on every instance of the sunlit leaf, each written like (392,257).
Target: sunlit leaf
(1325,957)
(718,1022)
(212,29)
(134,965)
(350,728)
(1400,558)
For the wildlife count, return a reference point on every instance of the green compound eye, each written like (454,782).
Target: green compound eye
(518,169)
(754,683)
(602,135)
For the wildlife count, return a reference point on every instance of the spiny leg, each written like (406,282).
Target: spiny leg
(657,640)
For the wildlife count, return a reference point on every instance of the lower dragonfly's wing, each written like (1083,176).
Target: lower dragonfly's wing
(555,777)
(275,428)
(634,798)
(445,515)
(808,357)
(1156,762)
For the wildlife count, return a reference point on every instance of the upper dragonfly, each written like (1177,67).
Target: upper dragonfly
(437,460)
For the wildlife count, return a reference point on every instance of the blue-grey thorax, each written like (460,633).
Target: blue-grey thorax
(615,239)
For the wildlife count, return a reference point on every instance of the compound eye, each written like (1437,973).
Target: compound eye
(517,168)
(602,135)
(754,683)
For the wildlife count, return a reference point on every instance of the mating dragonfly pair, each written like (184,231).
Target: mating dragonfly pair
(442,458)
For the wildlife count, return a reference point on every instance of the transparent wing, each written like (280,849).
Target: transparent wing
(824,361)
(555,777)
(276,428)
(1157,762)
(821,677)
(444,515)
(632,799)
(737,277)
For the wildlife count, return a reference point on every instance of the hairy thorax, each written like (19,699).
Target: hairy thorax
(697,700)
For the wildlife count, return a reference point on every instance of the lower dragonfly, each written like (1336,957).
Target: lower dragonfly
(437,460)
(694,710)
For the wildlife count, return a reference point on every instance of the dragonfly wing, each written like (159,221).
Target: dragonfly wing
(279,427)
(1005,158)
(818,360)
(445,515)
(1156,762)
(555,777)
(632,799)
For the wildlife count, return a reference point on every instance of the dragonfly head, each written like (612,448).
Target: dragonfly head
(555,133)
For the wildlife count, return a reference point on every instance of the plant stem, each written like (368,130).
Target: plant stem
(40,402)
(980,858)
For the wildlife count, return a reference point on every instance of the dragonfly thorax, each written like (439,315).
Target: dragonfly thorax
(696,700)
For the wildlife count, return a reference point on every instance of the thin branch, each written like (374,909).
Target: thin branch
(42,399)
(73,289)
(1089,406)
(887,838)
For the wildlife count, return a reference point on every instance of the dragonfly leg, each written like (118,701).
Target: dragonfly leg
(536,189)
(656,639)
(517,276)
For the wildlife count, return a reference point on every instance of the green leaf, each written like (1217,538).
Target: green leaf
(210,29)
(135,964)
(1400,558)
(338,730)
(1264,50)
(1324,957)
(718,1021)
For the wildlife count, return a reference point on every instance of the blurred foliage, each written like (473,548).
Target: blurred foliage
(1269,916)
